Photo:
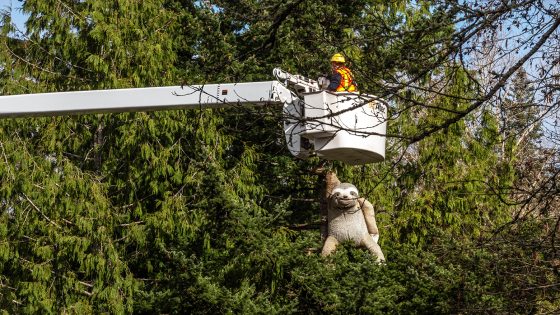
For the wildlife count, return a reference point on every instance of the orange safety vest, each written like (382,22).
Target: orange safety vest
(347,81)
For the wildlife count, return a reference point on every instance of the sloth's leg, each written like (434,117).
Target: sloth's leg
(373,247)
(330,246)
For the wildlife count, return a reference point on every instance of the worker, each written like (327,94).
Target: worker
(341,79)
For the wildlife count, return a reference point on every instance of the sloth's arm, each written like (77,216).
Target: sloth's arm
(369,215)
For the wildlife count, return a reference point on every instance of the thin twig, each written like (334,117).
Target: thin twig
(41,212)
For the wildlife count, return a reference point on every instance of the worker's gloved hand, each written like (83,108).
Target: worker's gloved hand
(323,82)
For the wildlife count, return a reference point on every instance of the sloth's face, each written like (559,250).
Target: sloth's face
(345,196)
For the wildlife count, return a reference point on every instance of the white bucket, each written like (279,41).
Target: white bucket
(348,127)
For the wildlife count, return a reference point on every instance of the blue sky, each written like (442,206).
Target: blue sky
(17,17)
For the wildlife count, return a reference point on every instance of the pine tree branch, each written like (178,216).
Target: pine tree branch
(7,287)
(306,226)
(41,212)
(280,18)
(89,285)
(6,161)
(131,223)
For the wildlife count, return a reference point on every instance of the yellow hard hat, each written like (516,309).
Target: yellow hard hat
(338,58)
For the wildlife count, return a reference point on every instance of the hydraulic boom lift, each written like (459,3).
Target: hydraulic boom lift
(348,127)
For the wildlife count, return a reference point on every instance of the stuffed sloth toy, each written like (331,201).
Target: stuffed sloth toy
(351,218)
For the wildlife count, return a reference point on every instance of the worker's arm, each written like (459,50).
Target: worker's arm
(335,79)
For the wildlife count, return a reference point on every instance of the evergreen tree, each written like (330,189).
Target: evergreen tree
(520,112)
(201,211)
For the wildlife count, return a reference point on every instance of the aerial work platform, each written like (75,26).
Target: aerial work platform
(348,127)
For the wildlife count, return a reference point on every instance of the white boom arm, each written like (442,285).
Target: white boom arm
(355,135)
(143,99)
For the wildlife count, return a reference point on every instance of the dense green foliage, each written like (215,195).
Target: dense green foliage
(197,211)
